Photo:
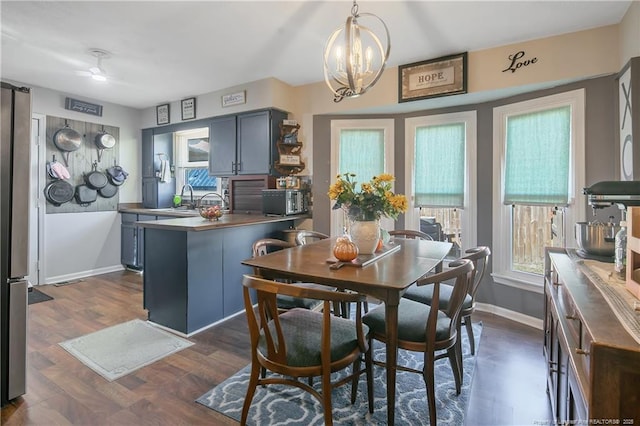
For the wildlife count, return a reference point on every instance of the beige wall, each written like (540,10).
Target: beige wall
(630,34)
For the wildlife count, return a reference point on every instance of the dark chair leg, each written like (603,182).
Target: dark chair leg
(472,341)
(428,373)
(368,359)
(251,390)
(354,381)
(452,353)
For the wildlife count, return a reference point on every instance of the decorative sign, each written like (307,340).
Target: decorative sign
(290,160)
(436,77)
(626,136)
(234,99)
(189,108)
(162,114)
(517,63)
(84,107)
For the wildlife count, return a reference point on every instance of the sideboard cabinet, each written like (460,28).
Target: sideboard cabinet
(593,363)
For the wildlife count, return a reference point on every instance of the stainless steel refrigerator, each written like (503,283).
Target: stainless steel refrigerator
(15,140)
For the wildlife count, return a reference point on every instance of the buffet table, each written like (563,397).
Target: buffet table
(592,355)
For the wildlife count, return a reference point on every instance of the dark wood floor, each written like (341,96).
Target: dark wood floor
(508,387)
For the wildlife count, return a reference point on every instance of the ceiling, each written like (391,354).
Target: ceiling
(163,51)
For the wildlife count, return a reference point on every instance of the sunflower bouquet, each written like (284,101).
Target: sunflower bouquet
(373,200)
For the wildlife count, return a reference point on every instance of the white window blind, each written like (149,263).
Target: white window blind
(537,161)
(440,165)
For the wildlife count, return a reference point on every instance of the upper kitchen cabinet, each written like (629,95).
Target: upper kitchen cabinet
(157,188)
(253,150)
(222,146)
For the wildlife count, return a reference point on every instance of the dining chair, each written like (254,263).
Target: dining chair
(267,245)
(305,236)
(410,233)
(428,329)
(424,294)
(303,343)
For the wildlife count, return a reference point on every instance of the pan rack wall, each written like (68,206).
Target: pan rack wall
(80,161)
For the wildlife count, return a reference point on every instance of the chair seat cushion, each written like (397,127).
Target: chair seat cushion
(412,321)
(290,302)
(302,331)
(424,294)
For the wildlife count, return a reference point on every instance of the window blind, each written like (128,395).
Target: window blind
(362,153)
(537,158)
(440,165)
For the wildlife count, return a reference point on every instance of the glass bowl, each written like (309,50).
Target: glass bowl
(210,212)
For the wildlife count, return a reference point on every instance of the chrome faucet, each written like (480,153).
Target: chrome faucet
(223,202)
(192,204)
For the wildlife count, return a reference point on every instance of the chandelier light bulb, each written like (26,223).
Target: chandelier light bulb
(354,56)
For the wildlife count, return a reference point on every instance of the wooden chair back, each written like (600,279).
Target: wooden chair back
(462,271)
(410,233)
(480,258)
(304,237)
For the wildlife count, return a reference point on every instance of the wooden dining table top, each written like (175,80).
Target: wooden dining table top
(385,278)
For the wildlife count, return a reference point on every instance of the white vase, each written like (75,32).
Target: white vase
(365,235)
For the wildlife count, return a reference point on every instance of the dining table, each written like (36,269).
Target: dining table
(384,276)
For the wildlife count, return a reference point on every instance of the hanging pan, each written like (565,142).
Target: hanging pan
(116,175)
(104,140)
(108,191)
(67,140)
(59,192)
(85,195)
(95,179)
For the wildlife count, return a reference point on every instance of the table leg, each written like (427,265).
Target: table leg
(391,321)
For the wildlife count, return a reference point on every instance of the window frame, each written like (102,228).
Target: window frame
(181,155)
(575,212)
(469,212)
(387,125)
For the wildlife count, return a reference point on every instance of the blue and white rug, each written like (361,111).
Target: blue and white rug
(286,405)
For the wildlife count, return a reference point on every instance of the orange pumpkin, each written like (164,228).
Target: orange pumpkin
(345,250)
(380,245)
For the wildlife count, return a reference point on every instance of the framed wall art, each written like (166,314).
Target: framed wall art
(162,114)
(188,108)
(442,76)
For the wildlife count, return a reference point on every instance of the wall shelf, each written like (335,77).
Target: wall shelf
(289,151)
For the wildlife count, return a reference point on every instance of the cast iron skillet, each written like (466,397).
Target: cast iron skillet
(95,179)
(108,191)
(58,192)
(85,195)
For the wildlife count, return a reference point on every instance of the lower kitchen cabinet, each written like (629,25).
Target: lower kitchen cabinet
(193,279)
(132,239)
(593,363)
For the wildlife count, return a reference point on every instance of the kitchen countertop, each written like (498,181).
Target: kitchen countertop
(226,221)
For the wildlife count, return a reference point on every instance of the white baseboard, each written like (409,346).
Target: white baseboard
(83,274)
(512,315)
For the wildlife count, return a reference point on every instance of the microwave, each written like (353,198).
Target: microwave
(284,202)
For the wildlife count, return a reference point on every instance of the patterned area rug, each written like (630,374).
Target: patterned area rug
(286,405)
(121,349)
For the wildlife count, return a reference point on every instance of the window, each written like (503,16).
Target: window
(191,151)
(539,151)
(363,147)
(441,150)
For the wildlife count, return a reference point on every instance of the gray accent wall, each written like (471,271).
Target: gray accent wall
(602,154)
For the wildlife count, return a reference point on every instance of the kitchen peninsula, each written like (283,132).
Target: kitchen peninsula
(192,270)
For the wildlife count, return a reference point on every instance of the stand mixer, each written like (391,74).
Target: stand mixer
(596,240)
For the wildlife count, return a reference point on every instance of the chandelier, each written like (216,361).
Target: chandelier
(354,56)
